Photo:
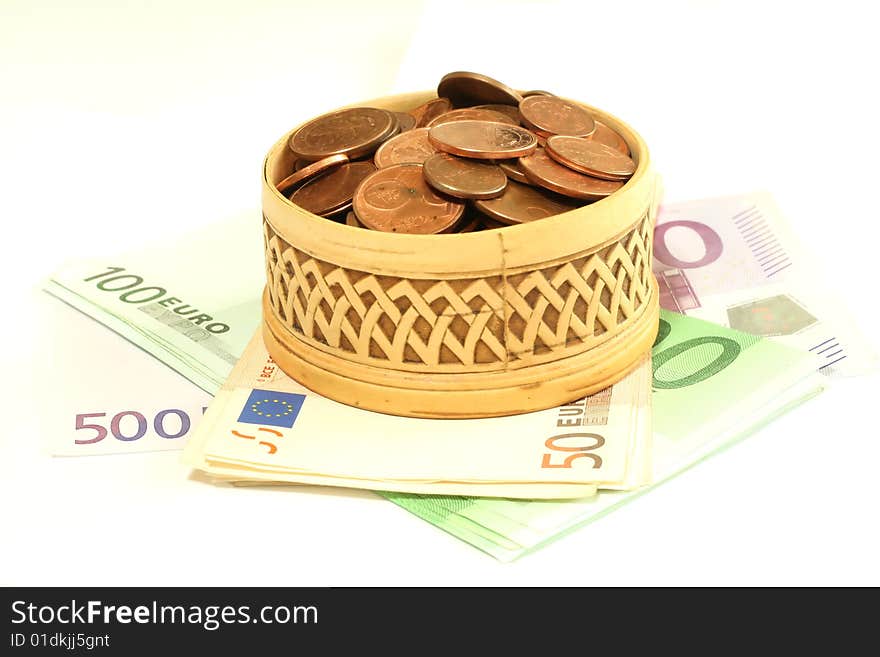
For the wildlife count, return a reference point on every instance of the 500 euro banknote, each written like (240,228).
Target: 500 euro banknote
(735,261)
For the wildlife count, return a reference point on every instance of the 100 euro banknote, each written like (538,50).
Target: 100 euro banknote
(193,304)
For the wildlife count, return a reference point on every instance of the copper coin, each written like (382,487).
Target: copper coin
(542,137)
(405,121)
(487,223)
(543,170)
(513,170)
(607,136)
(352,220)
(464,178)
(398,200)
(556,116)
(412,146)
(391,134)
(339,213)
(424,114)
(484,140)
(590,157)
(354,132)
(472,221)
(332,192)
(536,92)
(301,163)
(473,114)
(509,110)
(311,171)
(465,89)
(522,203)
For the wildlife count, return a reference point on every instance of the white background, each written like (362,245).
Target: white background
(121,122)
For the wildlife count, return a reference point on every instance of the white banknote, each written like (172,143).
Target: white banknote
(735,261)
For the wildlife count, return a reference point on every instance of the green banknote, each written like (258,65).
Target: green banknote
(193,304)
(712,385)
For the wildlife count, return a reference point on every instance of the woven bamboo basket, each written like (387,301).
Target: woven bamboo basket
(466,325)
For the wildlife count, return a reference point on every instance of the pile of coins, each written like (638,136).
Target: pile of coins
(479,156)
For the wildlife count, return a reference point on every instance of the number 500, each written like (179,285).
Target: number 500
(141,425)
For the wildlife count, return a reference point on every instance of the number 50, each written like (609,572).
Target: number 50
(579,452)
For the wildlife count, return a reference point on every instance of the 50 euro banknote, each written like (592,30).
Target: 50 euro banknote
(264,426)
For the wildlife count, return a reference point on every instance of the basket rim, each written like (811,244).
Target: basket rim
(577,231)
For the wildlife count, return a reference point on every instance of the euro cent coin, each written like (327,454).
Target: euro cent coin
(607,136)
(474,114)
(405,121)
(490,224)
(354,132)
(510,110)
(334,191)
(397,199)
(465,89)
(590,157)
(521,204)
(412,146)
(310,171)
(557,116)
(543,170)
(471,222)
(513,170)
(427,112)
(352,220)
(462,178)
(485,140)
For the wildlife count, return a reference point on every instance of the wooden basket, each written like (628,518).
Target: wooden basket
(465,325)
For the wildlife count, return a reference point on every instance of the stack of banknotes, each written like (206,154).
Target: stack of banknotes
(264,426)
(192,304)
(745,335)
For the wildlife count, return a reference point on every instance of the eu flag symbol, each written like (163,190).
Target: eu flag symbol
(278,409)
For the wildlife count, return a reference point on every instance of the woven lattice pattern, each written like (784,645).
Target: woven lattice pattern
(577,302)
(485,323)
